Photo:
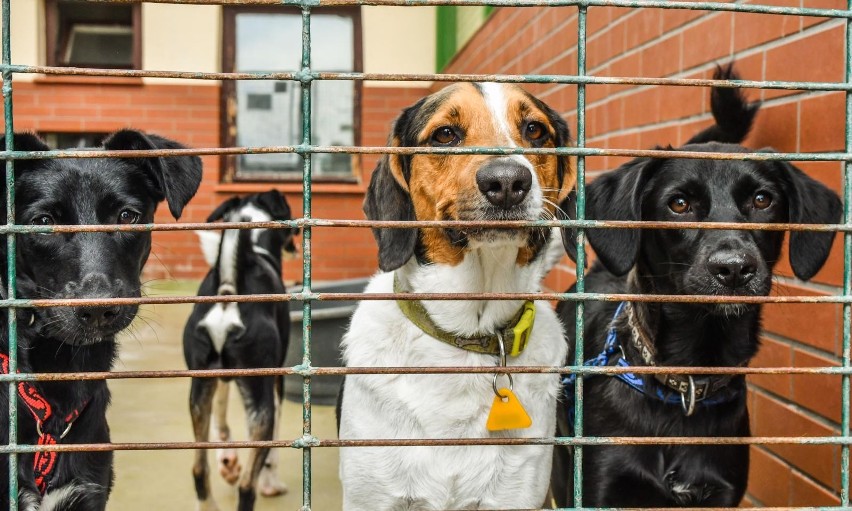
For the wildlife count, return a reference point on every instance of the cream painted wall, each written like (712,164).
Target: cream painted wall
(188,38)
(181,38)
(398,40)
(27,35)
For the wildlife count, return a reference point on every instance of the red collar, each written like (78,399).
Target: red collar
(44,461)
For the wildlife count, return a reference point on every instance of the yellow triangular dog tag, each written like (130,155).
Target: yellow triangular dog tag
(507,413)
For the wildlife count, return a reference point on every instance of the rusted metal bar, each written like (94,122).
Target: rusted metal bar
(314,149)
(286,297)
(302,370)
(300,76)
(301,443)
(416,224)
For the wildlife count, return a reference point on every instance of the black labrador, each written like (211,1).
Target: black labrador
(73,339)
(688,261)
(240,335)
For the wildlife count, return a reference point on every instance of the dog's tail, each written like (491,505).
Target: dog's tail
(733,114)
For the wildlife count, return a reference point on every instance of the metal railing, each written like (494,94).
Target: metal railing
(305,76)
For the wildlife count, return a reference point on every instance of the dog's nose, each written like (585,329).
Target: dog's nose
(504,184)
(732,269)
(97,317)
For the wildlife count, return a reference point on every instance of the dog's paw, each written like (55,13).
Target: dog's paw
(229,465)
(268,483)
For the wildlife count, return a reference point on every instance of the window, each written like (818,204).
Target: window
(268,112)
(83,34)
(62,140)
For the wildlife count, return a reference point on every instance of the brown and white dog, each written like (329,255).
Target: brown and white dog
(441,333)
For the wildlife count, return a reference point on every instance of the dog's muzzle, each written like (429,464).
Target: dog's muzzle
(505,183)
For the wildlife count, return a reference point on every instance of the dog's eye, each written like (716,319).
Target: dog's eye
(762,200)
(128,217)
(535,131)
(679,205)
(445,135)
(43,220)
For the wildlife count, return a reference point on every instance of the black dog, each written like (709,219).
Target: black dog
(240,335)
(701,262)
(72,339)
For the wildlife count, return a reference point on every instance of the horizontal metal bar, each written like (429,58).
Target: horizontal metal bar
(302,77)
(660,4)
(315,149)
(311,442)
(305,371)
(419,224)
(287,297)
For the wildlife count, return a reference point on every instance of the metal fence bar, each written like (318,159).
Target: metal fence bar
(582,13)
(436,77)
(847,274)
(501,151)
(306,255)
(10,255)
(305,76)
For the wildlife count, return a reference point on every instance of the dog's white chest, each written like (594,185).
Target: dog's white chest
(446,406)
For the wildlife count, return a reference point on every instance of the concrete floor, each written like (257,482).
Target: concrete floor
(156,410)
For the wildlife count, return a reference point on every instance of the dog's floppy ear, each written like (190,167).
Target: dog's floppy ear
(568,211)
(565,172)
(810,202)
(387,200)
(25,142)
(617,195)
(276,204)
(175,178)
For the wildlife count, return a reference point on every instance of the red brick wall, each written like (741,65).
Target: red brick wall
(680,43)
(190,114)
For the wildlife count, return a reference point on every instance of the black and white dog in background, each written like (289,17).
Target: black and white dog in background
(74,339)
(240,335)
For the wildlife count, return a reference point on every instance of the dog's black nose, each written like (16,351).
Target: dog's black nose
(732,269)
(97,317)
(504,183)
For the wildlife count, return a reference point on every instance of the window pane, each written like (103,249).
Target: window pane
(100,45)
(269,112)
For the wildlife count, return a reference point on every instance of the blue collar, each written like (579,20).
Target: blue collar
(613,354)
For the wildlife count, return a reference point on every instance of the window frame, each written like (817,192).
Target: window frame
(54,45)
(228,108)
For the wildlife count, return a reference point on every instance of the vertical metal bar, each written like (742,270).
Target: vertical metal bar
(847,275)
(581,252)
(10,255)
(306,252)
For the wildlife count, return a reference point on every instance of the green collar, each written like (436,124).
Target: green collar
(515,335)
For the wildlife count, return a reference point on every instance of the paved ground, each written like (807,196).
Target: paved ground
(157,410)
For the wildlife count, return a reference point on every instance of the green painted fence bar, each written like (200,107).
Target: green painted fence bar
(581,256)
(305,76)
(10,260)
(306,255)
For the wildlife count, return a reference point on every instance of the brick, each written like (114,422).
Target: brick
(816,58)
(822,328)
(771,417)
(698,48)
(773,353)
(818,393)
(662,59)
(776,126)
(754,29)
(769,478)
(823,115)
(806,492)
